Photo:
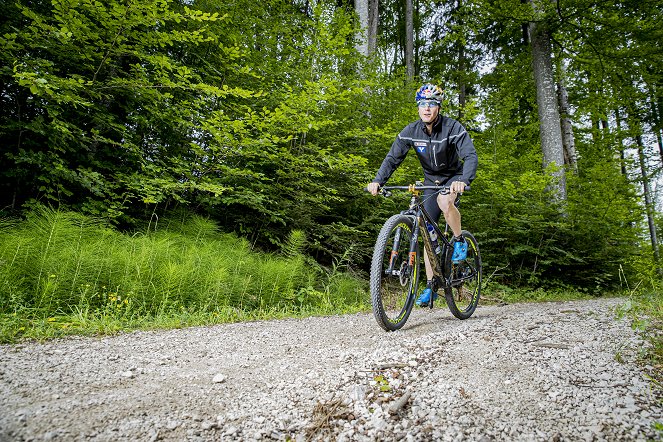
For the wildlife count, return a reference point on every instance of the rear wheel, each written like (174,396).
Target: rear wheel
(463,295)
(394,273)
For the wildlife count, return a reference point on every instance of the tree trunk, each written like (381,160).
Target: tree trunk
(409,40)
(373,16)
(656,122)
(546,98)
(620,139)
(361,6)
(568,139)
(648,199)
(659,128)
(462,93)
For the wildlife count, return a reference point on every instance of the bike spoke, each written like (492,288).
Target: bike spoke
(463,297)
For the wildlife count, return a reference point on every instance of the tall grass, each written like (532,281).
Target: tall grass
(644,308)
(59,268)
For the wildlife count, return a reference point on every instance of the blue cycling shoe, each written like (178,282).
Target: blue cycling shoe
(424,298)
(460,252)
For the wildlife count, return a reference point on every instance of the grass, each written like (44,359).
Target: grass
(645,311)
(62,273)
(19,327)
(497,293)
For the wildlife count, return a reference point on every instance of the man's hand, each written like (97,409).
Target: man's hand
(374,188)
(457,187)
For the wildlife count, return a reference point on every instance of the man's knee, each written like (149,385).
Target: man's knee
(446,202)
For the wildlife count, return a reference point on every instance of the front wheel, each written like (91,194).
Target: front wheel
(463,295)
(394,273)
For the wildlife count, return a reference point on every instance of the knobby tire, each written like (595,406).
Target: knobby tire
(392,295)
(462,299)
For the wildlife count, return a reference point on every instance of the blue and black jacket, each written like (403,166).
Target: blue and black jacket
(445,153)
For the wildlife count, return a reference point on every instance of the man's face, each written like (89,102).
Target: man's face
(428,110)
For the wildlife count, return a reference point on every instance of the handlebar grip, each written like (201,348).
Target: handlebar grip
(384,192)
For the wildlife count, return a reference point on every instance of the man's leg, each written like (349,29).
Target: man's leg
(424,297)
(433,209)
(452,216)
(450,212)
(429,268)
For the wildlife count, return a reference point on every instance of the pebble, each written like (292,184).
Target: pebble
(219,378)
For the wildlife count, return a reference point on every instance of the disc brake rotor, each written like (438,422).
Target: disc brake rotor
(404,274)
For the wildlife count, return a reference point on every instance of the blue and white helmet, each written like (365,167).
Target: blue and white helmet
(430,92)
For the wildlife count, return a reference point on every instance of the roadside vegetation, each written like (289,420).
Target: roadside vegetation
(64,273)
(644,308)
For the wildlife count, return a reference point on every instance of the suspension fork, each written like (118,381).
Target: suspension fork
(394,250)
(414,242)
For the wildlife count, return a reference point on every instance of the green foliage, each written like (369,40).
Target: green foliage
(105,104)
(61,263)
(509,294)
(270,129)
(585,244)
(294,246)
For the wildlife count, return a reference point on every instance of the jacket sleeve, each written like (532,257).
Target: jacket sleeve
(466,152)
(394,158)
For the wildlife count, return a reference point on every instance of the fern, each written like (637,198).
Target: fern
(295,244)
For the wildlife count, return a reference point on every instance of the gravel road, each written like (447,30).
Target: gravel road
(552,371)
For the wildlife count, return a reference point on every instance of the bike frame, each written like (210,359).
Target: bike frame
(442,274)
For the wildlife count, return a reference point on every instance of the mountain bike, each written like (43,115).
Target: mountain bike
(395,268)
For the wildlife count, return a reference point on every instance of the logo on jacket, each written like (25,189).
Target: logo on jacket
(421,147)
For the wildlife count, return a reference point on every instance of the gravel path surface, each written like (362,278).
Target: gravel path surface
(553,371)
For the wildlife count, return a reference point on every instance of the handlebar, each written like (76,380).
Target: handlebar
(385,190)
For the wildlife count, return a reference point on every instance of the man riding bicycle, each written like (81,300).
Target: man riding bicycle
(448,158)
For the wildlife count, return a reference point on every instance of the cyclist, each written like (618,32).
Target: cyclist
(448,158)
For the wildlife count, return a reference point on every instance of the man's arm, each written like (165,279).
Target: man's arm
(466,152)
(394,158)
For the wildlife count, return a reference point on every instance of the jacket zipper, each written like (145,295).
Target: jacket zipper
(432,152)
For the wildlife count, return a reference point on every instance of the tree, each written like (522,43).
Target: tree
(649,204)
(128,109)
(362,8)
(452,55)
(568,139)
(549,118)
(97,83)
(409,39)
(373,19)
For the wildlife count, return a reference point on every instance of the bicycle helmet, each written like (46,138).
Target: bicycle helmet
(429,92)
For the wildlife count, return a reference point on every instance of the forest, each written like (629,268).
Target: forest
(259,124)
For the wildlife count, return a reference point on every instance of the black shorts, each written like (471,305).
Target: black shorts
(430,196)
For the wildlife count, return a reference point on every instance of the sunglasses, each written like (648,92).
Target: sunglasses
(428,103)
